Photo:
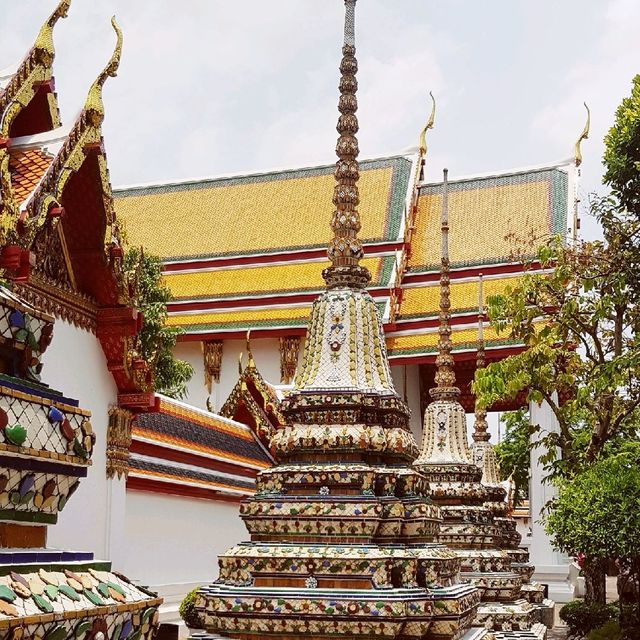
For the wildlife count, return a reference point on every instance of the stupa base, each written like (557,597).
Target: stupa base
(47,593)
(506,616)
(545,612)
(533,592)
(537,632)
(249,613)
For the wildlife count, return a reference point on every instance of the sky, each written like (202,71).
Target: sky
(214,87)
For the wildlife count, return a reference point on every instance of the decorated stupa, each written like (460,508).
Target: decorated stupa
(469,506)
(498,500)
(46,448)
(343,533)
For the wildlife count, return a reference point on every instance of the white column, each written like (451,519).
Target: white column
(116,511)
(552,567)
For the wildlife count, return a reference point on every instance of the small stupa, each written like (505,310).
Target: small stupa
(454,474)
(343,534)
(498,502)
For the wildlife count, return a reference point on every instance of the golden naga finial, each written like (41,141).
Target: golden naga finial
(240,363)
(430,122)
(577,154)
(94,105)
(250,361)
(44,41)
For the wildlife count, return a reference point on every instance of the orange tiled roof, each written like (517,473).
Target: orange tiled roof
(27,168)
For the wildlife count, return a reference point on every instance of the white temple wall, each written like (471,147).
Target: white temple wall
(173,542)
(412,394)
(552,566)
(266,353)
(75,364)
(196,389)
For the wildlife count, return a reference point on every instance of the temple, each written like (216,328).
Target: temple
(48,440)
(305,412)
(342,531)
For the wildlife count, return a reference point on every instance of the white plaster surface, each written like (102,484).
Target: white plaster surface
(552,567)
(172,539)
(75,364)
(266,354)
(412,380)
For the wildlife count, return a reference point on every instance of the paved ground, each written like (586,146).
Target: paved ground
(557,633)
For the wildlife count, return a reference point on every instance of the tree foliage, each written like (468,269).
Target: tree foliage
(622,152)
(156,340)
(580,326)
(596,512)
(513,452)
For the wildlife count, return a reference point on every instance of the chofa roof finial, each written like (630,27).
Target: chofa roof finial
(422,145)
(44,41)
(577,154)
(93,104)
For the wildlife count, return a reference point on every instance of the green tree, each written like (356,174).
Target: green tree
(596,513)
(622,152)
(582,355)
(157,340)
(513,452)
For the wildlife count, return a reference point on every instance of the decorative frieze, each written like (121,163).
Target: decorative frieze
(289,350)
(212,353)
(118,442)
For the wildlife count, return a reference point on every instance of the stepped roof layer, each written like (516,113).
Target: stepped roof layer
(187,451)
(263,272)
(60,242)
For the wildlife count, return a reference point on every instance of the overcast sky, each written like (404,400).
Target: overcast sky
(209,87)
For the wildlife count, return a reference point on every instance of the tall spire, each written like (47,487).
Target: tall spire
(445,375)
(345,248)
(480,429)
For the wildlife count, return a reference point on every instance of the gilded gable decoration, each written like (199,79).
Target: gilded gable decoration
(118,442)
(212,354)
(289,351)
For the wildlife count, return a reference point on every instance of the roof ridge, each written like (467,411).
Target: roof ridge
(255,174)
(567,162)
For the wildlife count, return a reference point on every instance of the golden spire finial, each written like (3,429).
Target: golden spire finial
(93,104)
(240,363)
(345,248)
(430,122)
(250,361)
(445,374)
(44,41)
(577,154)
(481,427)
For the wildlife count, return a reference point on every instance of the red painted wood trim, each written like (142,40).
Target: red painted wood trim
(429,323)
(282,256)
(175,455)
(430,358)
(241,334)
(248,302)
(471,272)
(153,486)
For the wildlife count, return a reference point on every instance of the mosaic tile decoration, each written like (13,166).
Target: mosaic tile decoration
(266,202)
(59,603)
